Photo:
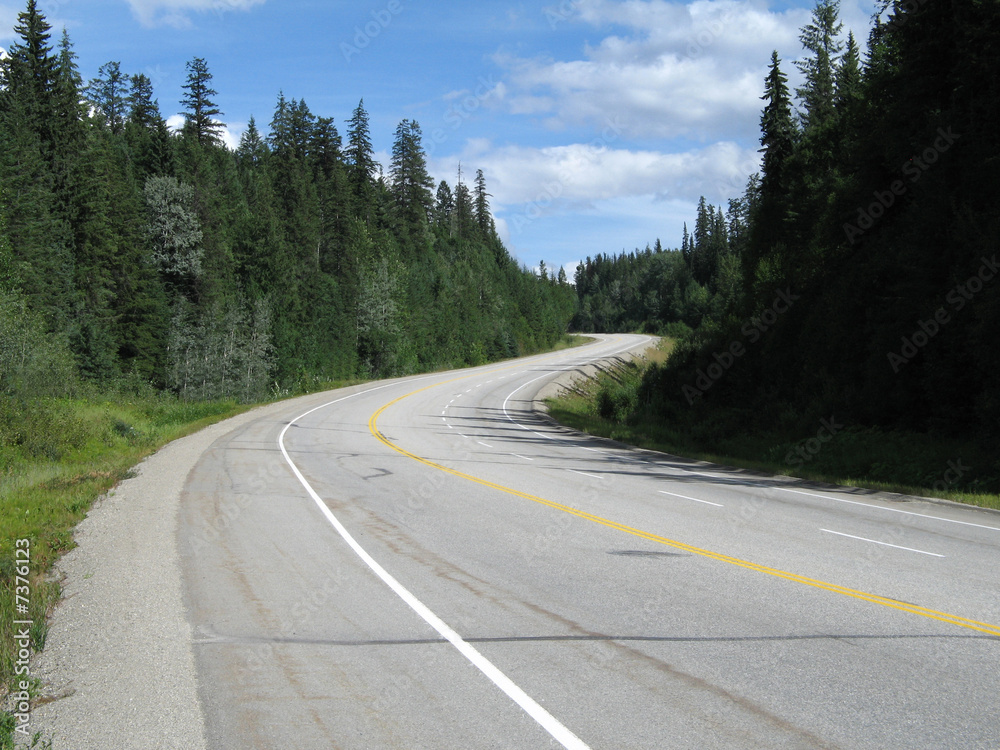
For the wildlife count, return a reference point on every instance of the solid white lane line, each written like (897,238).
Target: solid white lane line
(884,544)
(585,474)
(706,502)
(891,510)
(547,721)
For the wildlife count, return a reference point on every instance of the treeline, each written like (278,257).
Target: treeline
(170,259)
(864,280)
(666,292)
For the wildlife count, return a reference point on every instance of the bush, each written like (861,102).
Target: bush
(33,362)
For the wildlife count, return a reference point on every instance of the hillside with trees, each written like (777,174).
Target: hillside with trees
(167,258)
(858,274)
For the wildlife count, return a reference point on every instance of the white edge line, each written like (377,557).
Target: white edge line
(891,510)
(546,720)
(884,544)
(706,502)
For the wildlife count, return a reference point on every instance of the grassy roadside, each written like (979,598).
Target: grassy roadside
(906,463)
(57,456)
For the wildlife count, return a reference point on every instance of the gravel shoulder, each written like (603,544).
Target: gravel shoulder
(117,668)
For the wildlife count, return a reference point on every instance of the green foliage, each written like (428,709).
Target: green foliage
(173,227)
(878,218)
(214,273)
(58,455)
(201,112)
(33,362)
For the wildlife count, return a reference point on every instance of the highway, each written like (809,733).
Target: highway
(429,563)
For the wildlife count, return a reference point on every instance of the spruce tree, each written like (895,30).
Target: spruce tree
(444,209)
(108,96)
(820,39)
(361,162)
(411,185)
(484,220)
(201,110)
(30,73)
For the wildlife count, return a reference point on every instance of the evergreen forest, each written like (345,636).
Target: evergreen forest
(858,274)
(132,253)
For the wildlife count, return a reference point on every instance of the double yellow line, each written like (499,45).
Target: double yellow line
(963,622)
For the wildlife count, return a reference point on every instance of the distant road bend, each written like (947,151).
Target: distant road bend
(429,563)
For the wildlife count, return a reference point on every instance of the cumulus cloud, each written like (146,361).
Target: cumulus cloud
(176,13)
(231,132)
(580,176)
(677,70)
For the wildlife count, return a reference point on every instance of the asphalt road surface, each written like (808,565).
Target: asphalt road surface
(430,563)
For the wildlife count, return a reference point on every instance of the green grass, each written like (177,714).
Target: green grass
(570,341)
(907,463)
(56,457)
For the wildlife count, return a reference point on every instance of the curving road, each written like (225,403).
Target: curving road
(430,563)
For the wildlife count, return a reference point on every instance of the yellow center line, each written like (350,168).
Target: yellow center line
(964,622)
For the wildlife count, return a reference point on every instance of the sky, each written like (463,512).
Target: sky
(597,123)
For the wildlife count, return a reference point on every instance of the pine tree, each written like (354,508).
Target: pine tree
(778,139)
(361,162)
(107,95)
(252,150)
(820,38)
(201,110)
(484,220)
(444,209)
(778,131)
(143,110)
(464,211)
(411,185)
(30,73)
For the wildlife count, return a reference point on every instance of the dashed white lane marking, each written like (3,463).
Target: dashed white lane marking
(547,721)
(585,474)
(884,544)
(891,510)
(706,502)
(518,455)
(484,444)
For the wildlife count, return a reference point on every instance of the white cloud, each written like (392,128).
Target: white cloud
(176,12)
(694,70)
(579,176)
(231,132)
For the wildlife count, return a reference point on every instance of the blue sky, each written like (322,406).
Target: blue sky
(598,123)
